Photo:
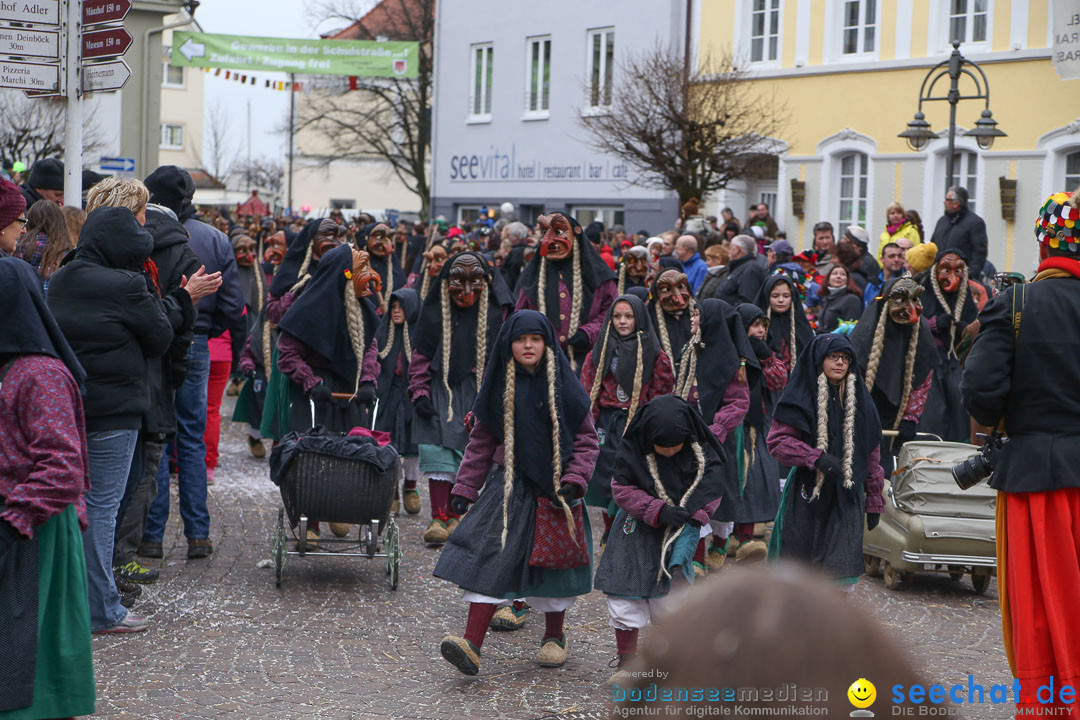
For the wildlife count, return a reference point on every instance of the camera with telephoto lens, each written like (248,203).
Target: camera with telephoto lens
(980,466)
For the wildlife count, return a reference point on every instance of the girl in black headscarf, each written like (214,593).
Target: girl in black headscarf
(633,370)
(378,240)
(713,377)
(826,427)
(570,283)
(671,305)
(530,452)
(395,411)
(459,321)
(668,480)
(45,613)
(788,325)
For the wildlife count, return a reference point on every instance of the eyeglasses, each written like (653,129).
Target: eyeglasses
(22,220)
(843,358)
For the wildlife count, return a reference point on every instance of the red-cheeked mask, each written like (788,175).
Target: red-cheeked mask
(558,240)
(244,249)
(674,290)
(436,258)
(950,271)
(466,279)
(365,280)
(637,261)
(379,242)
(275,248)
(905,307)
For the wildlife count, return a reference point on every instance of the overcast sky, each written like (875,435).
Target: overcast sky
(269,108)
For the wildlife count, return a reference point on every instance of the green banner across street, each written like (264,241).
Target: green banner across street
(315,57)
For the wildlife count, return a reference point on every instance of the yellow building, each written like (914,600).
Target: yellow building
(850,72)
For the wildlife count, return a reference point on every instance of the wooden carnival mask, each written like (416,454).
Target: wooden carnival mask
(379,242)
(275,248)
(558,240)
(904,303)
(950,272)
(244,250)
(466,277)
(364,279)
(673,290)
(327,237)
(436,258)
(636,260)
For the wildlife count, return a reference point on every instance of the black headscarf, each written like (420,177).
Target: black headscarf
(512,265)
(288,272)
(780,325)
(640,292)
(410,305)
(26,325)
(428,336)
(533,456)
(889,380)
(594,273)
(626,347)
(667,421)
(318,317)
(382,265)
(755,378)
(721,353)
(798,405)
(931,306)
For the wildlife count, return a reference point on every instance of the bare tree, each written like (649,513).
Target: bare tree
(382,118)
(264,173)
(220,158)
(32,129)
(692,134)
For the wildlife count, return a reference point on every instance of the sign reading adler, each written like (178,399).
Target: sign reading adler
(1066,34)
(317,57)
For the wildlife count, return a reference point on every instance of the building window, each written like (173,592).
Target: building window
(538,82)
(1072,171)
(853,190)
(965,166)
(610,216)
(341,204)
(480,102)
(968,20)
(172,76)
(601,61)
(172,136)
(764,30)
(860,26)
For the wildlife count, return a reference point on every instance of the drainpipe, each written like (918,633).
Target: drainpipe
(145,78)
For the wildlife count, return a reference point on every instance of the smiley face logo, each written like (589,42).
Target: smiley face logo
(862,693)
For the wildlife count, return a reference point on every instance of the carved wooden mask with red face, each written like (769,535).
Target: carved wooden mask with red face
(436,258)
(950,271)
(244,250)
(467,276)
(904,301)
(558,240)
(379,241)
(673,289)
(364,279)
(327,237)
(637,262)
(275,248)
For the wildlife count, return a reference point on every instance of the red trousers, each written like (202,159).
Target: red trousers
(1042,568)
(215,389)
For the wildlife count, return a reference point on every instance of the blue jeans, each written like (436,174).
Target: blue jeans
(190,400)
(110,453)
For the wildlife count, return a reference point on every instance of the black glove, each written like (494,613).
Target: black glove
(249,374)
(943,322)
(673,516)
(872,520)
(904,434)
(423,407)
(320,393)
(832,468)
(459,505)
(8,536)
(579,339)
(570,491)
(365,394)
(761,348)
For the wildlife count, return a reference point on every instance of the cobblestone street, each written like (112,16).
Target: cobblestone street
(335,642)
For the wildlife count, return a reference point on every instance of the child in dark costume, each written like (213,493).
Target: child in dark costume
(633,371)
(459,321)
(668,480)
(530,452)
(826,426)
(247,364)
(395,410)
(788,327)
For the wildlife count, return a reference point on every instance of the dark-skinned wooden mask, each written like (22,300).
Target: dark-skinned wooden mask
(244,250)
(673,290)
(327,237)
(379,242)
(636,260)
(466,278)
(905,305)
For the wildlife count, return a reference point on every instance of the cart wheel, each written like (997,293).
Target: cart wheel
(873,565)
(279,547)
(956,573)
(393,554)
(894,579)
(980,581)
(369,540)
(301,541)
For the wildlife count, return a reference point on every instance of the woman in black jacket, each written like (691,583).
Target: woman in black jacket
(112,316)
(841,299)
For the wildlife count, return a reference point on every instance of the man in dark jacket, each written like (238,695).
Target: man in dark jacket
(1022,371)
(217,313)
(853,252)
(962,229)
(46,182)
(746,275)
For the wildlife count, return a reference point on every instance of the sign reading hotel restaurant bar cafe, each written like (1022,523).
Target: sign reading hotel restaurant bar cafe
(1065,32)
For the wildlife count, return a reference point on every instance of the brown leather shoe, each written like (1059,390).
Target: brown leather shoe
(198,548)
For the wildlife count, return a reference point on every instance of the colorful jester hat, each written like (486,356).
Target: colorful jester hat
(1058,224)
(796,276)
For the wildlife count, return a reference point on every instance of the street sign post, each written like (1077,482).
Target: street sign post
(43,44)
(105,76)
(39,12)
(95,12)
(29,76)
(117,164)
(106,42)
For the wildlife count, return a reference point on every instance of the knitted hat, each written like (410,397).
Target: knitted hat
(921,257)
(171,187)
(47,174)
(1058,224)
(857,234)
(12,203)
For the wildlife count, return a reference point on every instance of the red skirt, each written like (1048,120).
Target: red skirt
(1042,598)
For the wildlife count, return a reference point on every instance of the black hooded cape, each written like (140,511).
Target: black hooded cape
(288,272)
(410,304)
(678,329)
(724,345)
(932,307)
(382,265)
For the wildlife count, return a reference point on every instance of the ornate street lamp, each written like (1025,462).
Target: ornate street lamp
(918,133)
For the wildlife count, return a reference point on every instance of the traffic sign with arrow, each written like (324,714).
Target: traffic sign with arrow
(106,42)
(117,164)
(105,76)
(40,12)
(20,42)
(95,12)
(191,49)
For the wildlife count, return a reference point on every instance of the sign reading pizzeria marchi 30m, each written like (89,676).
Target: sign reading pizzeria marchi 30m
(319,57)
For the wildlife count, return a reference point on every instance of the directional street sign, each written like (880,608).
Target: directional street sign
(43,44)
(105,76)
(117,164)
(29,76)
(95,12)
(42,12)
(106,42)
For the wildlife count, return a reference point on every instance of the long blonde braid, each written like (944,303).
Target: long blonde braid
(669,536)
(598,376)
(874,362)
(444,303)
(955,312)
(556,448)
(793,351)
(354,318)
(687,375)
(847,401)
(661,329)
(384,300)
(509,407)
(481,336)
(383,352)
(877,347)
(260,288)
(303,274)
(622,278)
(909,375)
